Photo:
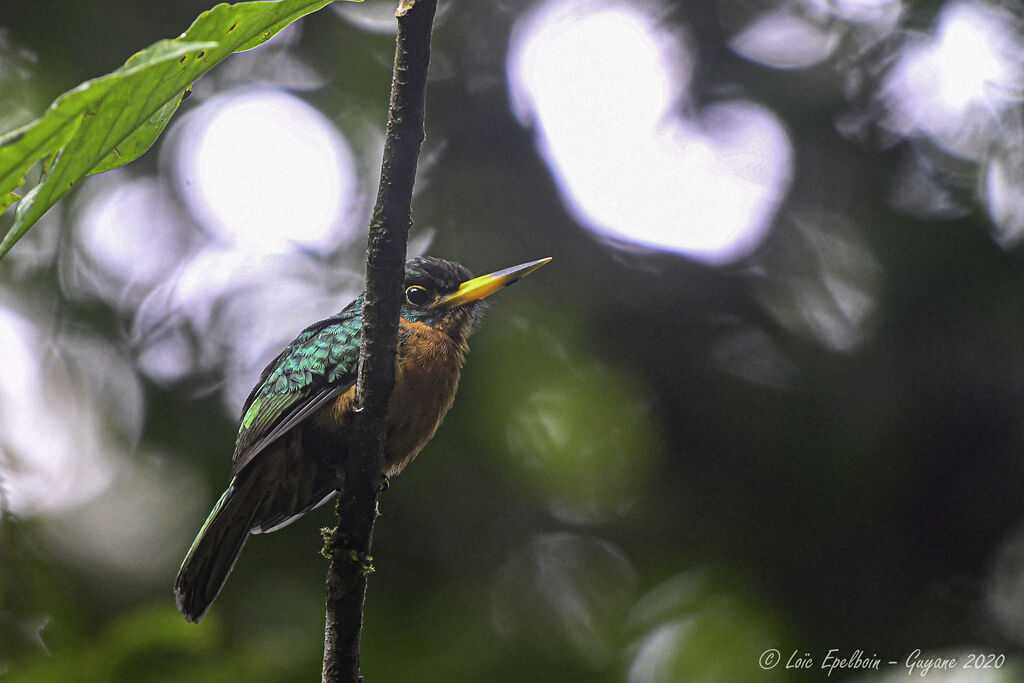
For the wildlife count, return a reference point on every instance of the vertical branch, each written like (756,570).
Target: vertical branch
(360,475)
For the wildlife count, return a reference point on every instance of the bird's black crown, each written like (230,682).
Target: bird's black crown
(436,274)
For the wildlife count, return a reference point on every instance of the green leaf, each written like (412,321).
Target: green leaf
(135,145)
(7,200)
(109,121)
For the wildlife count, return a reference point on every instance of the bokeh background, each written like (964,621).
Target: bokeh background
(769,394)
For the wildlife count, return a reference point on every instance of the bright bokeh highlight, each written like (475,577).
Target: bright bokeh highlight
(953,86)
(130,235)
(69,410)
(800,34)
(1002,189)
(227,313)
(603,87)
(263,171)
(860,11)
(217,283)
(787,37)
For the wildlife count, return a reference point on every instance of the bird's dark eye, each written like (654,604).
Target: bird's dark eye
(417,296)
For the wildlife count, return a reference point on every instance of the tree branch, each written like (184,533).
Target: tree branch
(348,546)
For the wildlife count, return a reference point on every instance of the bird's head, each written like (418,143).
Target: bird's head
(446,296)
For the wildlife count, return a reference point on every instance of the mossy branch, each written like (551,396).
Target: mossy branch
(359,476)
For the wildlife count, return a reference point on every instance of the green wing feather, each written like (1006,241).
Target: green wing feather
(317,366)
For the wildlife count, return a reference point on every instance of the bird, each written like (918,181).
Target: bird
(294,427)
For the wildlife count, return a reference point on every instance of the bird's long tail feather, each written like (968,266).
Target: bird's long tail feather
(214,552)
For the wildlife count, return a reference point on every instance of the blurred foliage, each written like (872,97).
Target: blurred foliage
(110,121)
(656,469)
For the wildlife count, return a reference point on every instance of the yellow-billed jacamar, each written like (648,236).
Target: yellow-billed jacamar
(294,424)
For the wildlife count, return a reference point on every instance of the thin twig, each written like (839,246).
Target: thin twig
(349,545)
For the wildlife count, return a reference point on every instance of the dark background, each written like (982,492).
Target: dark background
(656,469)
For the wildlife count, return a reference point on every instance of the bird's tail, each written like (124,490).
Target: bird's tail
(214,552)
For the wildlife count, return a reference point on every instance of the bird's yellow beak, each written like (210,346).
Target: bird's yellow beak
(485,285)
